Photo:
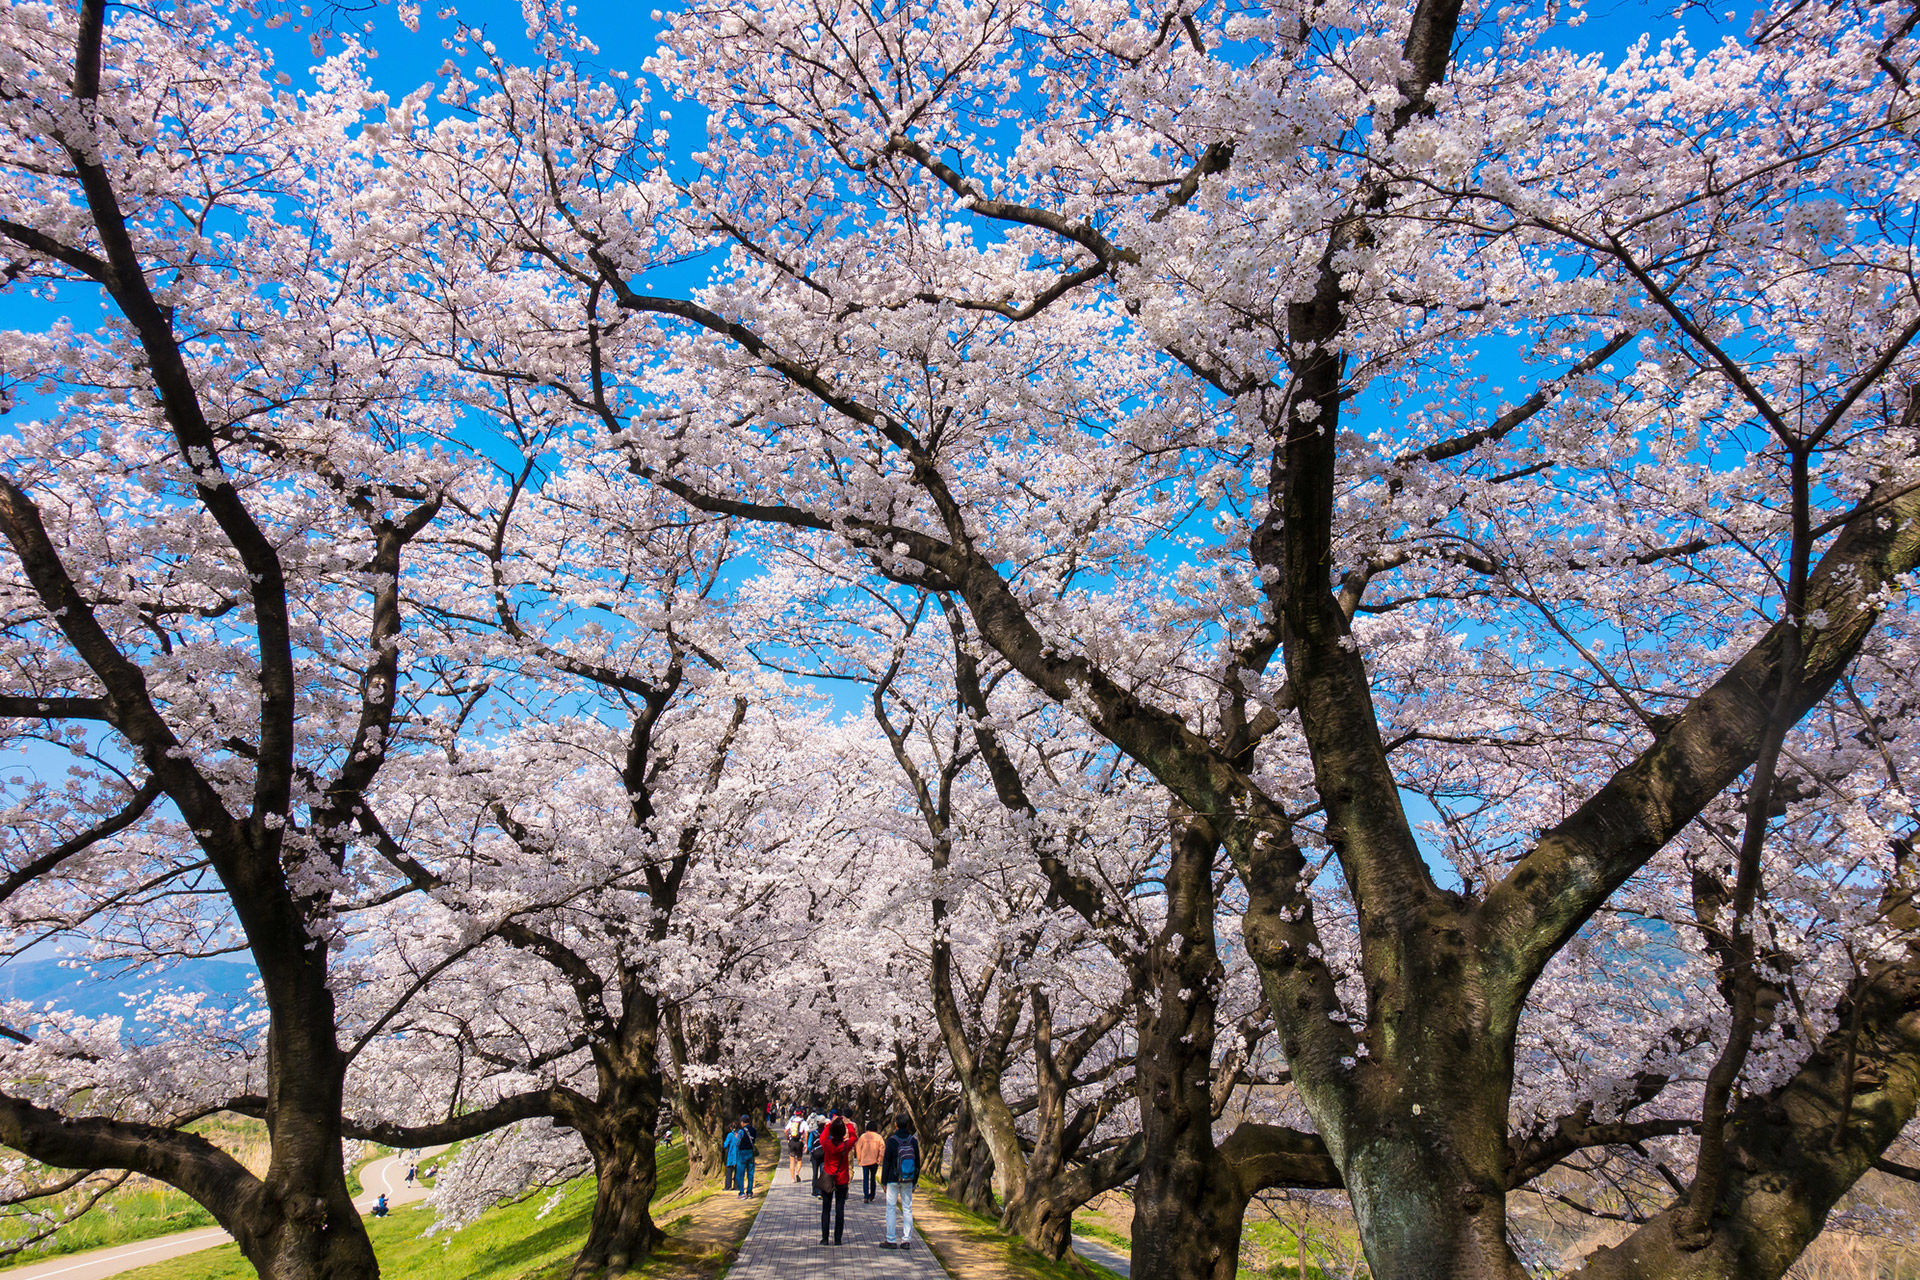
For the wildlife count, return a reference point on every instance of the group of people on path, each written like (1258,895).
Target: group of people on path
(889,1165)
(739,1149)
(836,1144)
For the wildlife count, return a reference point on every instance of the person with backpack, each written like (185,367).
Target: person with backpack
(796,1142)
(740,1155)
(869,1151)
(899,1174)
(837,1141)
(815,1124)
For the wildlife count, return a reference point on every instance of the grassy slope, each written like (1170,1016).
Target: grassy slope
(129,1214)
(513,1241)
(141,1209)
(982,1238)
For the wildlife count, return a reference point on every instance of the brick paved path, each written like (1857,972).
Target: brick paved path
(785,1241)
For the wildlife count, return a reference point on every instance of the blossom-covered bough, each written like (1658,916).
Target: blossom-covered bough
(601,854)
(1012,293)
(1027,992)
(209,530)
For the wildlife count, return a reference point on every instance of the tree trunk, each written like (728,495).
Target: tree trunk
(305,1226)
(621,1136)
(1187,1203)
(622,1232)
(695,1106)
(1043,1217)
(1425,1212)
(333,1247)
(318,1235)
(1419,1125)
(970,1180)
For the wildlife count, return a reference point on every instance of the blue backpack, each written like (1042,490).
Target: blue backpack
(909,1156)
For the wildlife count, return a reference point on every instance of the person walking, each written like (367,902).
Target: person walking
(741,1144)
(815,1123)
(870,1151)
(796,1143)
(837,1141)
(899,1174)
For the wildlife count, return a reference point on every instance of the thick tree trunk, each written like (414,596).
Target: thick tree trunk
(1043,1217)
(1187,1203)
(305,1226)
(622,1232)
(970,1180)
(1417,1119)
(1426,1211)
(621,1136)
(318,1234)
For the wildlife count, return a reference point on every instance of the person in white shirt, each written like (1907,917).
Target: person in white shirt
(796,1143)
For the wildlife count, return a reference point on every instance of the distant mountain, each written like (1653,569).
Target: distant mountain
(41,982)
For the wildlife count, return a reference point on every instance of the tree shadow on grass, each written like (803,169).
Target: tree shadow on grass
(559,1230)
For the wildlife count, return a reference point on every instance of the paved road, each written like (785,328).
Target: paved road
(388,1174)
(1118,1263)
(785,1241)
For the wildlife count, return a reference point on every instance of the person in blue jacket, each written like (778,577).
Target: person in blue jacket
(740,1151)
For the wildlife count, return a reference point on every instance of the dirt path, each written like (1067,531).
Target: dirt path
(705,1228)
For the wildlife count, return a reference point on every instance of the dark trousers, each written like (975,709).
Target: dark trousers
(730,1175)
(833,1212)
(869,1178)
(819,1158)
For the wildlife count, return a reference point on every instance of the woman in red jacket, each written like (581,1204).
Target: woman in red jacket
(836,1143)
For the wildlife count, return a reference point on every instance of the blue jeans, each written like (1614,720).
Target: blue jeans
(743,1177)
(900,1200)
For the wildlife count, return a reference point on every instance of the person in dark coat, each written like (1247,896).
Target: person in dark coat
(899,1174)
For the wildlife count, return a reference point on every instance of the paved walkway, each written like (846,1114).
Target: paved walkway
(785,1241)
(1094,1251)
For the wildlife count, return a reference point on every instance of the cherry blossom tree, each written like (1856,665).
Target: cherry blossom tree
(600,850)
(209,530)
(1018,301)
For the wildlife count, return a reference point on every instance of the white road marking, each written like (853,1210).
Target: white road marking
(117,1252)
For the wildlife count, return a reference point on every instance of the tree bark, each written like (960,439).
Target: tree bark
(319,1232)
(622,1233)
(1186,1215)
(970,1181)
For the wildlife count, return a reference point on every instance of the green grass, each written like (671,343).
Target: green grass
(1276,1242)
(1272,1241)
(126,1215)
(511,1241)
(1020,1261)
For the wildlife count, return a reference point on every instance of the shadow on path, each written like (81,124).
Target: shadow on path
(785,1241)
